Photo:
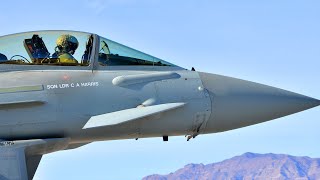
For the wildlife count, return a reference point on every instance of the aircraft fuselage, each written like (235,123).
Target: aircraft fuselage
(58,103)
(63,89)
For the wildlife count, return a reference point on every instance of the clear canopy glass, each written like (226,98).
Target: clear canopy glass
(46,48)
(69,48)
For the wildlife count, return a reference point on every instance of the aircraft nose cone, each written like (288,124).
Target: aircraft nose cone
(237,103)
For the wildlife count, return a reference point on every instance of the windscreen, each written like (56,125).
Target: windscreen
(114,54)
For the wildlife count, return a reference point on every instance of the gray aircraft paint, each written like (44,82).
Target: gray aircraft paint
(49,108)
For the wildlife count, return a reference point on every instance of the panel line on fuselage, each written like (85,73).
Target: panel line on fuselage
(21,89)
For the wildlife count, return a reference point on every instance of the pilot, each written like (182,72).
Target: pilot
(3,57)
(66,47)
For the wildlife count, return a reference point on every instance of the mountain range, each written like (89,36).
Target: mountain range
(249,166)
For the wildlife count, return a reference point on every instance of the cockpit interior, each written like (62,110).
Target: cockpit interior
(70,48)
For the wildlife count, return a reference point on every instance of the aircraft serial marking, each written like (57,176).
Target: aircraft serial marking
(6,143)
(72,85)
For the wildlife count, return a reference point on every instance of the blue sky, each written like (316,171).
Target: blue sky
(272,42)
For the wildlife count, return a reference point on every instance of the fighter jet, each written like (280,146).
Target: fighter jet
(61,90)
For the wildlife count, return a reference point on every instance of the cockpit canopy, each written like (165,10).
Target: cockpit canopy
(70,48)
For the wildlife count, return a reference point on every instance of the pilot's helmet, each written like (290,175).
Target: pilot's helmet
(67,43)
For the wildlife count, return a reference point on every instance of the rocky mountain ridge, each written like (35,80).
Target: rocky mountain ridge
(249,166)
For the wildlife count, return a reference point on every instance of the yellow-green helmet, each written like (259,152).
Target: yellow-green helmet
(67,43)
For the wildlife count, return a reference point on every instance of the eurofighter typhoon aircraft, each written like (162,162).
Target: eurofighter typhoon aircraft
(60,90)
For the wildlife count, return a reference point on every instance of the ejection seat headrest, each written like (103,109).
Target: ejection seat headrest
(3,57)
